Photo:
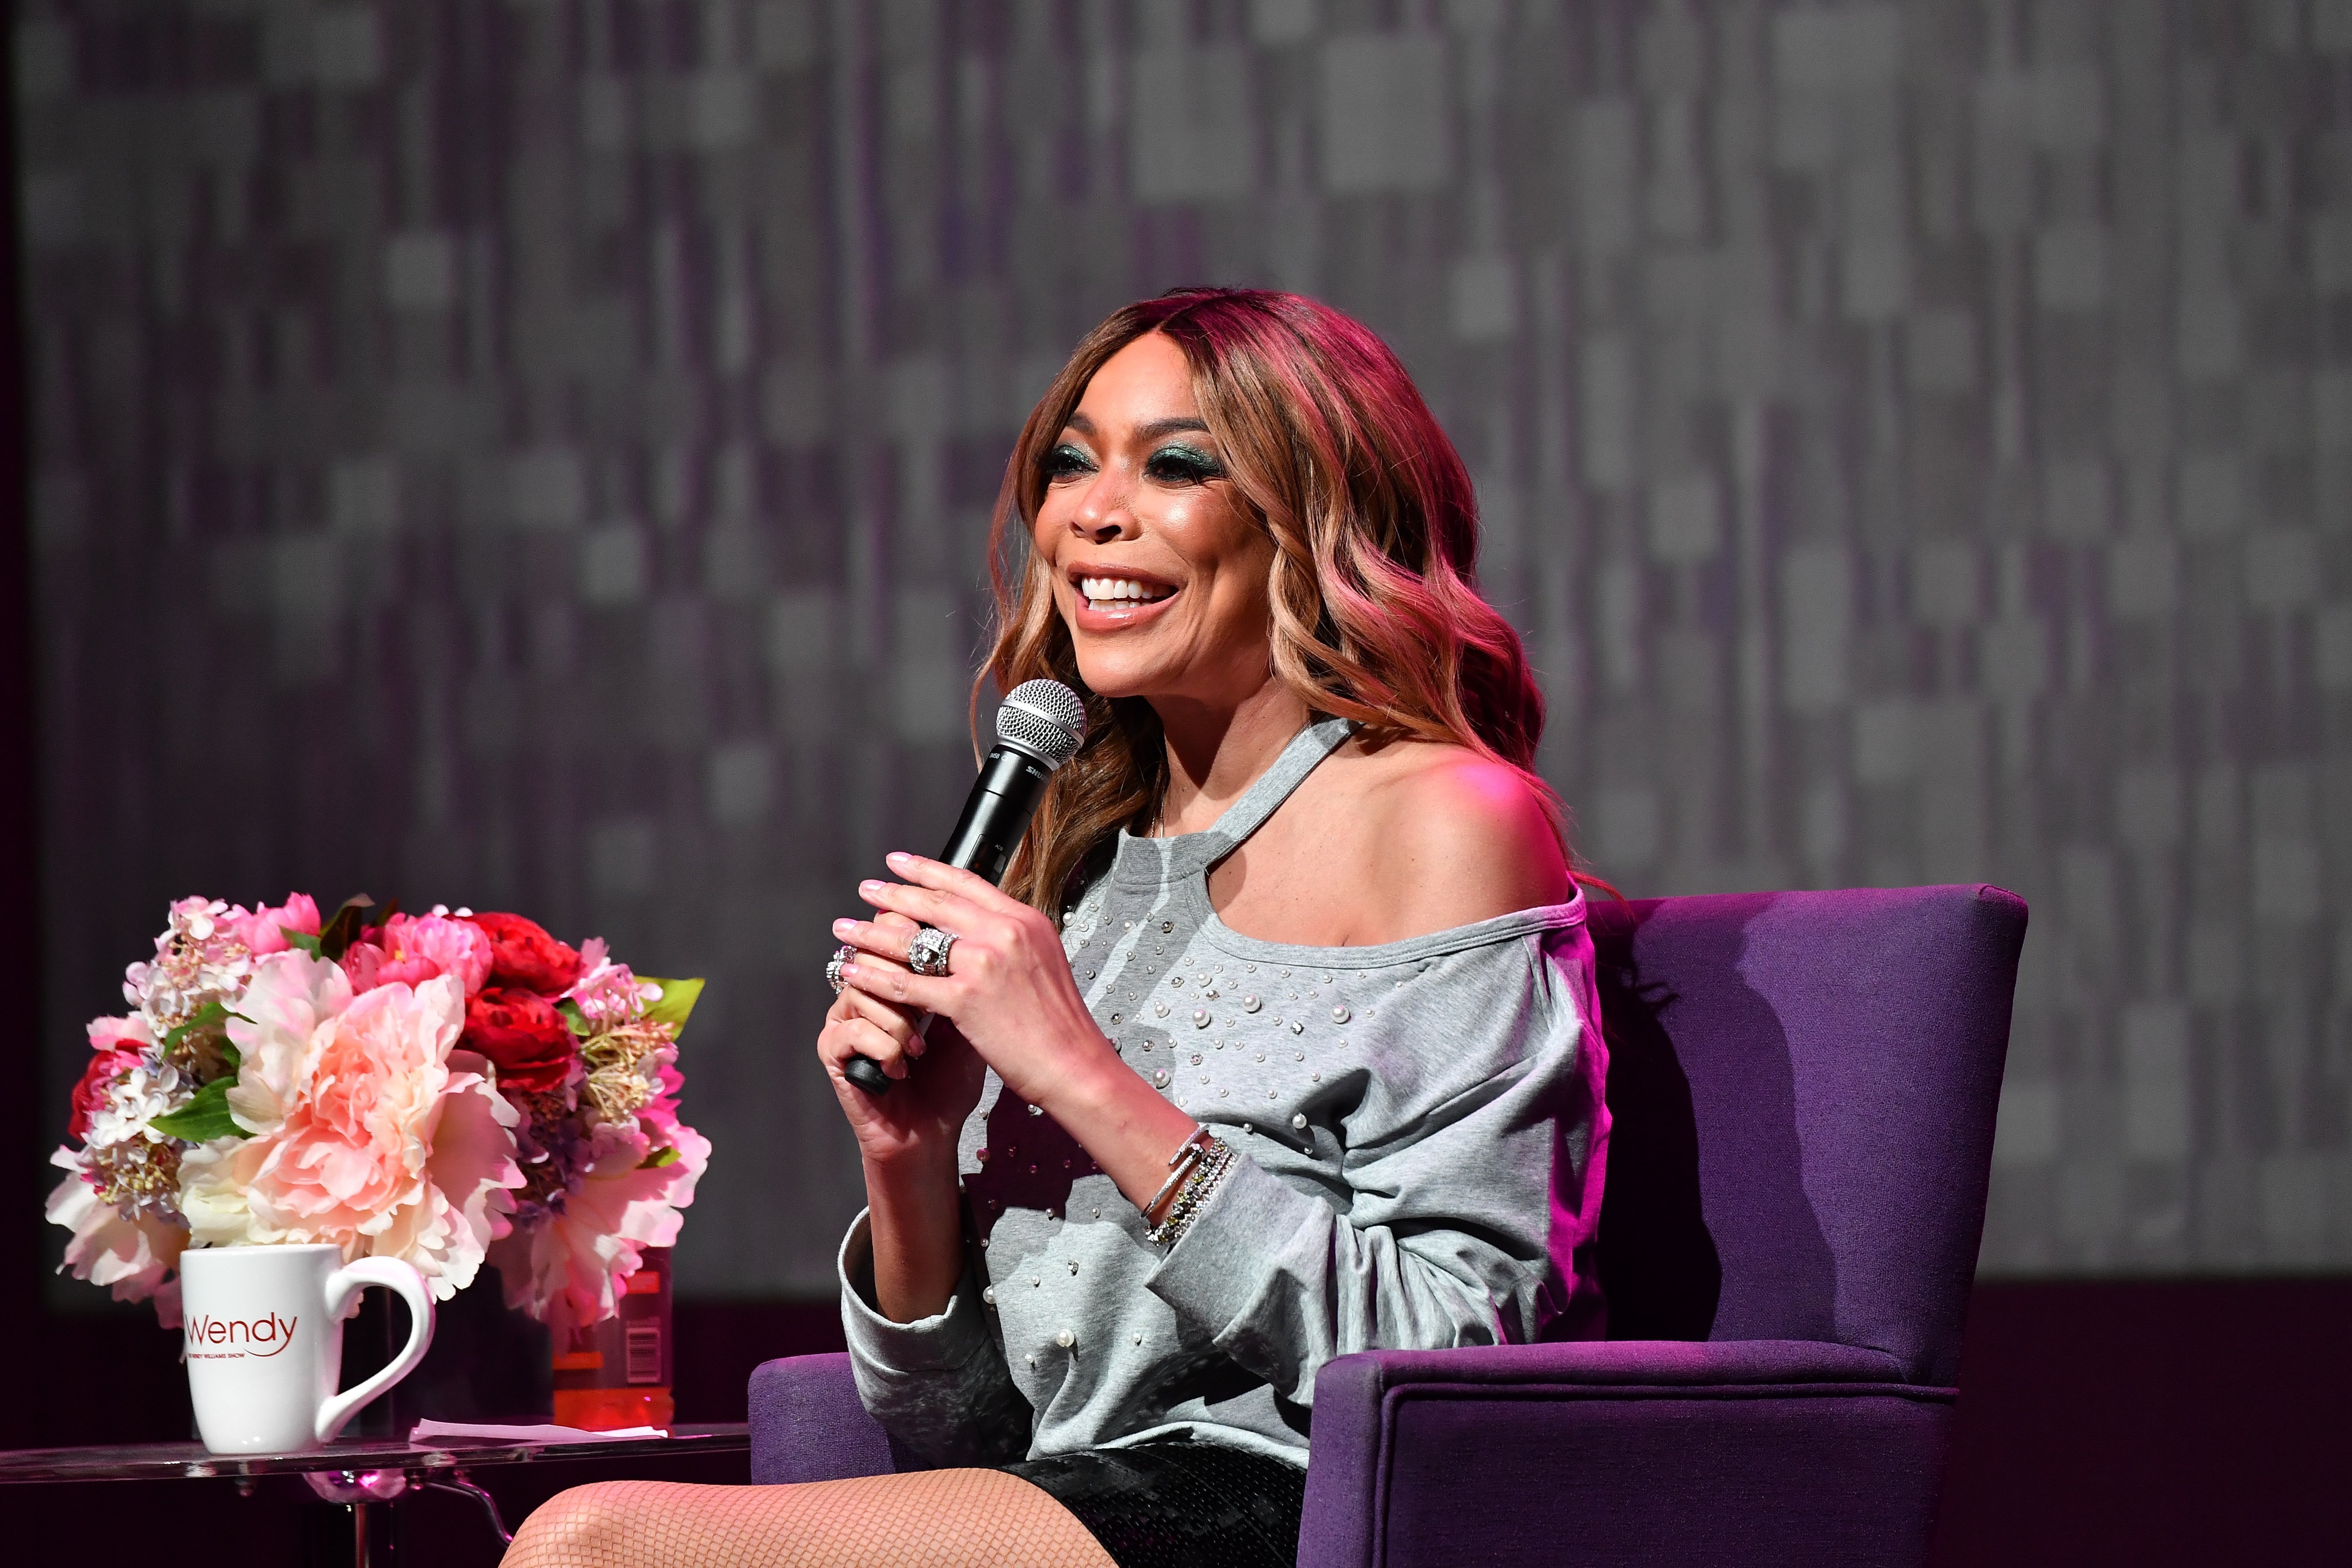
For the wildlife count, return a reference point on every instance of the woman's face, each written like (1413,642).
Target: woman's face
(1157,567)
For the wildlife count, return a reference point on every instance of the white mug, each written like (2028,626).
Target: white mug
(263,1328)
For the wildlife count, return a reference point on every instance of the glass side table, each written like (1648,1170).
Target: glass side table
(369,1478)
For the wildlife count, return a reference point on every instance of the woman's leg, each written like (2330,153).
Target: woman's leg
(931,1519)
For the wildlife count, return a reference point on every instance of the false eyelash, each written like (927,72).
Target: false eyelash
(1065,460)
(1184,465)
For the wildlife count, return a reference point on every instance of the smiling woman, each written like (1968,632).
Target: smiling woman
(1280,1041)
(1272,456)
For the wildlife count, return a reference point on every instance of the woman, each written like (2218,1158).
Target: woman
(1280,1040)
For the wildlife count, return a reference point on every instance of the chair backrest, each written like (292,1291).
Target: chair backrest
(1802,1089)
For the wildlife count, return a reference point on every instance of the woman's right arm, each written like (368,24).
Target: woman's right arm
(926,1357)
(906,1142)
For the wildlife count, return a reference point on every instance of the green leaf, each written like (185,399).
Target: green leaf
(677,1000)
(574,1018)
(336,935)
(301,939)
(230,1054)
(205,1018)
(205,1118)
(658,1158)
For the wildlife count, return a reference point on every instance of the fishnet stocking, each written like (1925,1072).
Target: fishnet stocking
(931,1519)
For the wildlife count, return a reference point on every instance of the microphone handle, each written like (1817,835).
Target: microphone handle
(996,814)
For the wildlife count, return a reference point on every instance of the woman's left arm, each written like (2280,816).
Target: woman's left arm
(1010,992)
(1469,1132)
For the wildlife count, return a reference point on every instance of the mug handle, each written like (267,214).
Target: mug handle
(404,1282)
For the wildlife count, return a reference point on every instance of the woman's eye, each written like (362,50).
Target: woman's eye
(1183,465)
(1065,460)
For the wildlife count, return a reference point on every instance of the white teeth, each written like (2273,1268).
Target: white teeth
(1105,590)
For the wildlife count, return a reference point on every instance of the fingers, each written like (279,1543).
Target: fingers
(896,987)
(895,1022)
(844,1037)
(925,906)
(890,938)
(941,877)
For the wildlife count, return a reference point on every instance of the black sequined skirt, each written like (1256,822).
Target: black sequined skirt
(1176,1503)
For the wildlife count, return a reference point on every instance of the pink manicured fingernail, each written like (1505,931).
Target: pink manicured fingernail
(897,856)
(869,886)
(843,927)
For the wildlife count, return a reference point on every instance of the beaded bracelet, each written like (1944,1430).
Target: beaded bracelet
(1206,1173)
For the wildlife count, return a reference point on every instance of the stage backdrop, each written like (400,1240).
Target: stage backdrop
(535,454)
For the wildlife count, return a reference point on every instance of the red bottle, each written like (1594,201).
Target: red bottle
(617,1373)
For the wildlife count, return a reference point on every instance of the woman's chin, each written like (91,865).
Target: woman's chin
(1122,673)
(1116,681)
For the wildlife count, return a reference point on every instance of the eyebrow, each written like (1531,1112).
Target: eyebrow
(1150,432)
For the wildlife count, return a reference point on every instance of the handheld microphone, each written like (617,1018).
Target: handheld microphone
(1038,728)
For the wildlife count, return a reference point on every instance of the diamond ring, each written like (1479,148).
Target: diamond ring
(840,955)
(927,953)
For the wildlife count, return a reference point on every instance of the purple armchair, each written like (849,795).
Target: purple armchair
(1802,1087)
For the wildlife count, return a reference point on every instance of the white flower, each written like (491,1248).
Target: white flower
(129,1256)
(134,1100)
(200,957)
(213,1178)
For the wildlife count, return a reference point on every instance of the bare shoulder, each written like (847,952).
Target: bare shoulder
(1451,837)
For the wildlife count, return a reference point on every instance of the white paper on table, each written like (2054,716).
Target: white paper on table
(428,1434)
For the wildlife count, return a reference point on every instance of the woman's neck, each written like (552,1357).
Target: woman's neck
(1215,752)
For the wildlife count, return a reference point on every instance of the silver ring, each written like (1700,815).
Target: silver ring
(840,955)
(927,953)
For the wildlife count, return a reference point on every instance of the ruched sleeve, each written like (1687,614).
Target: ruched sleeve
(938,1384)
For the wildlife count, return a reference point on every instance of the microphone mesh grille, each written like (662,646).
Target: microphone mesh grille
(1044,717)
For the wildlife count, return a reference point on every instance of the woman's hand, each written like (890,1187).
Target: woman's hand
(924,1112)
(1008,989)
(1010,993)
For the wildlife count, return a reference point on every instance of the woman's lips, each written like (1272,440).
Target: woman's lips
(1117,615)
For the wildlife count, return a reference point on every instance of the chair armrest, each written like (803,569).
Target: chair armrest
(1664,1452)
(808,1425)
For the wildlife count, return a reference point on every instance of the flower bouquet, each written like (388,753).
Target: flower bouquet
(442,1090)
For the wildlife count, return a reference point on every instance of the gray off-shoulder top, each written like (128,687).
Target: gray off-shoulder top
(1422,1131)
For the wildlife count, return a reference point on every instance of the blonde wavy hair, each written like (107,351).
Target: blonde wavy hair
(1377,612)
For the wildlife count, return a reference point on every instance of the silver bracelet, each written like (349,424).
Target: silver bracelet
(1180,1165)
(1196,1195)
(1202,1180)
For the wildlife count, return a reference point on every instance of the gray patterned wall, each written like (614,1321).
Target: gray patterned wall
(535,454)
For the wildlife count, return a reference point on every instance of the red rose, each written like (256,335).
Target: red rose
(523,1034)
(523,954)
(104,1068)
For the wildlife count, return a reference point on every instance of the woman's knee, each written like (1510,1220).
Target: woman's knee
(598,1526)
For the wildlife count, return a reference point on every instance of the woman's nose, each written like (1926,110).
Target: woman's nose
(1103,513)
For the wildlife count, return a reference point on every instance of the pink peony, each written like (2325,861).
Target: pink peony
(409,950)
(566,1271)
(284,1012)
(132,1258)
(367,1133)
(265,929)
